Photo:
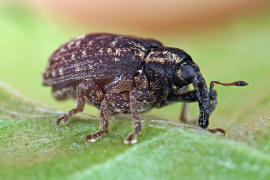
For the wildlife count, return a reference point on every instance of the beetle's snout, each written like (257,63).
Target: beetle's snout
(186,73)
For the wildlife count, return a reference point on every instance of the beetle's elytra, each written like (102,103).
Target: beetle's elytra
(123,74)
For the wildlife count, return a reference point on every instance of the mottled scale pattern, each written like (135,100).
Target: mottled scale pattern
(168,55)
(97,56)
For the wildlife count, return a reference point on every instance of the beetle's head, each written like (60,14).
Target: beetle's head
(187,72)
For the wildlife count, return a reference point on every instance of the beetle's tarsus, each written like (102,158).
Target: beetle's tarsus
(217,130)
(132,138)
(63,118)
(104,121)
(93,137)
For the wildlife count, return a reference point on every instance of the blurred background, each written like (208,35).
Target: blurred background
(228,39)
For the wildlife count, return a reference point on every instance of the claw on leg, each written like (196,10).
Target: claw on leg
(183,118)
(217,130)
(104,121)
(79,107)
(93,137)
(63,118)
(66,116)
(131,139)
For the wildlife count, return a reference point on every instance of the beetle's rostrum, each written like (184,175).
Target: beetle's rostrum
(124,74)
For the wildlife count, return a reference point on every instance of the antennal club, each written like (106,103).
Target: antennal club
(236,83)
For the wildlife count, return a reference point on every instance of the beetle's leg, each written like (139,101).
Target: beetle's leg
(184,111)
(132,137)
(104,120)
(85,90)
(183,115)
(79,106)
(190,96)
(112,97)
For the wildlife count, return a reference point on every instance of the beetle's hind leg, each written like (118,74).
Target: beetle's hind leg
(85,90)
(79,107)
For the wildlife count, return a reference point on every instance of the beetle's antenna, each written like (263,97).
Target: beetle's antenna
(236,83)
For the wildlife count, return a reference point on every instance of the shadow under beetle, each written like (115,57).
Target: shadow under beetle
(123,74)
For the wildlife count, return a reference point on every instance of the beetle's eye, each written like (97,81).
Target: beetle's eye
(186,73)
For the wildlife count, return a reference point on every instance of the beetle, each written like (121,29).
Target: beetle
(126,74)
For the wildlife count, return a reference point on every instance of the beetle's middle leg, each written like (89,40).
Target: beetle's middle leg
(104,119)
(113,100)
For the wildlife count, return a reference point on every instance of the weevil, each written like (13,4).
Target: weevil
(125,74)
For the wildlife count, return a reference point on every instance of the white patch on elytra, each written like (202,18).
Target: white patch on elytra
(118,52)
(61,71)
(140,71)
(116,59)
(100,51)
(73,56)
(84,53)
(77,68)
(109,50)
(90,43)
(53,73)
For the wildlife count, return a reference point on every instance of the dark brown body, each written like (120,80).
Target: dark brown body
(104,58)
(107,60)
(122,74)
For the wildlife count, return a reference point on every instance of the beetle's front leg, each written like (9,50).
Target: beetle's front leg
(191,96)
(183,115)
